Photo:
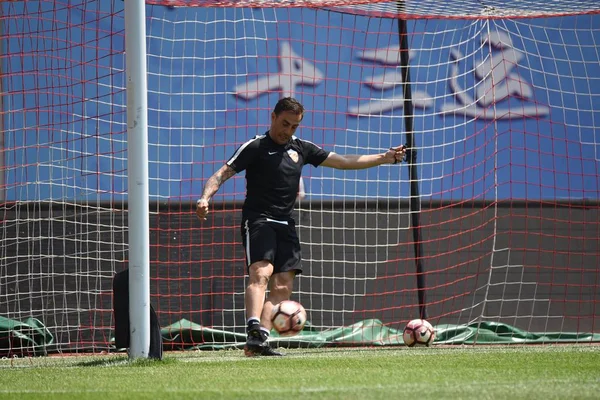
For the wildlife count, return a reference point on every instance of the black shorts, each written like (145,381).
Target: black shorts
(274,241)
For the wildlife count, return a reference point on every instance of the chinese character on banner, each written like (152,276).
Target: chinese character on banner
(496,81)
(388,80)
(293,71)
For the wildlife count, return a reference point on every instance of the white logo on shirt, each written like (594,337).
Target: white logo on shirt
(272,152)
(293,155)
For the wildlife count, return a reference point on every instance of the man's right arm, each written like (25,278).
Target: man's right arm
(212,186)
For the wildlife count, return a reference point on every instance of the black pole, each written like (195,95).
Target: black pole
(411,158)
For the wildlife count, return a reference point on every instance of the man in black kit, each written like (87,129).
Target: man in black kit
(273,164)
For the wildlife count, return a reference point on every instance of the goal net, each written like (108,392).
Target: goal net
(505,110)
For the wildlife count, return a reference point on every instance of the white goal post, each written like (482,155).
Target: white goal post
(137,178)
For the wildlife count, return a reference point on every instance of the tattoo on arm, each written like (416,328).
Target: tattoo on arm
(214,182)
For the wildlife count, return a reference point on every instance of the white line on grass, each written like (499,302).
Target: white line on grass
(540,383)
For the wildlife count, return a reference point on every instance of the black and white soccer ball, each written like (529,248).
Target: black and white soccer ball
(418,332)
(288,318)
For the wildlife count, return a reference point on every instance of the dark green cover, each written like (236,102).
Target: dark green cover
(32,338)
(185,334)
(23,338)
(496,333)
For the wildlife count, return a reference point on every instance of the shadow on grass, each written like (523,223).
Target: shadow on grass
(124,361)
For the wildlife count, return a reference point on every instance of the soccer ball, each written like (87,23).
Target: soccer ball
(288,318)
(418,332)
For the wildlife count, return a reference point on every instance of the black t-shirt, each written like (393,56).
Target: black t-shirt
(273,174)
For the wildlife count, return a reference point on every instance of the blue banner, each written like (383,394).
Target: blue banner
(503,109)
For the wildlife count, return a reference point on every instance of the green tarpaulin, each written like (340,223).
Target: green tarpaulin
(496,333)
(18,338)
(31,337)
(185,334)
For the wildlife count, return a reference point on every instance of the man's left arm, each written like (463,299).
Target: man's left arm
(393,156)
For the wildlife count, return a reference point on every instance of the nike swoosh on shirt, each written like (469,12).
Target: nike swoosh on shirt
(272,152)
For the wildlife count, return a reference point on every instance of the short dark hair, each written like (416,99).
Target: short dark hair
(289,104)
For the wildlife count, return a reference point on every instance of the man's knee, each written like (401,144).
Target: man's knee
(260,272)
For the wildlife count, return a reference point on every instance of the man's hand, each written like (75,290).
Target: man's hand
(202,209)
(396,154)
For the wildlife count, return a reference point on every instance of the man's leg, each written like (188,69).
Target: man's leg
(259,274)
(267,241)
(281,286)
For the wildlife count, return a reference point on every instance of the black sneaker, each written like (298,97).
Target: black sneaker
(260,349)
(253,331)
(256,345)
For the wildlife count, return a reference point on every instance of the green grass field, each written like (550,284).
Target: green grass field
(495,372)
